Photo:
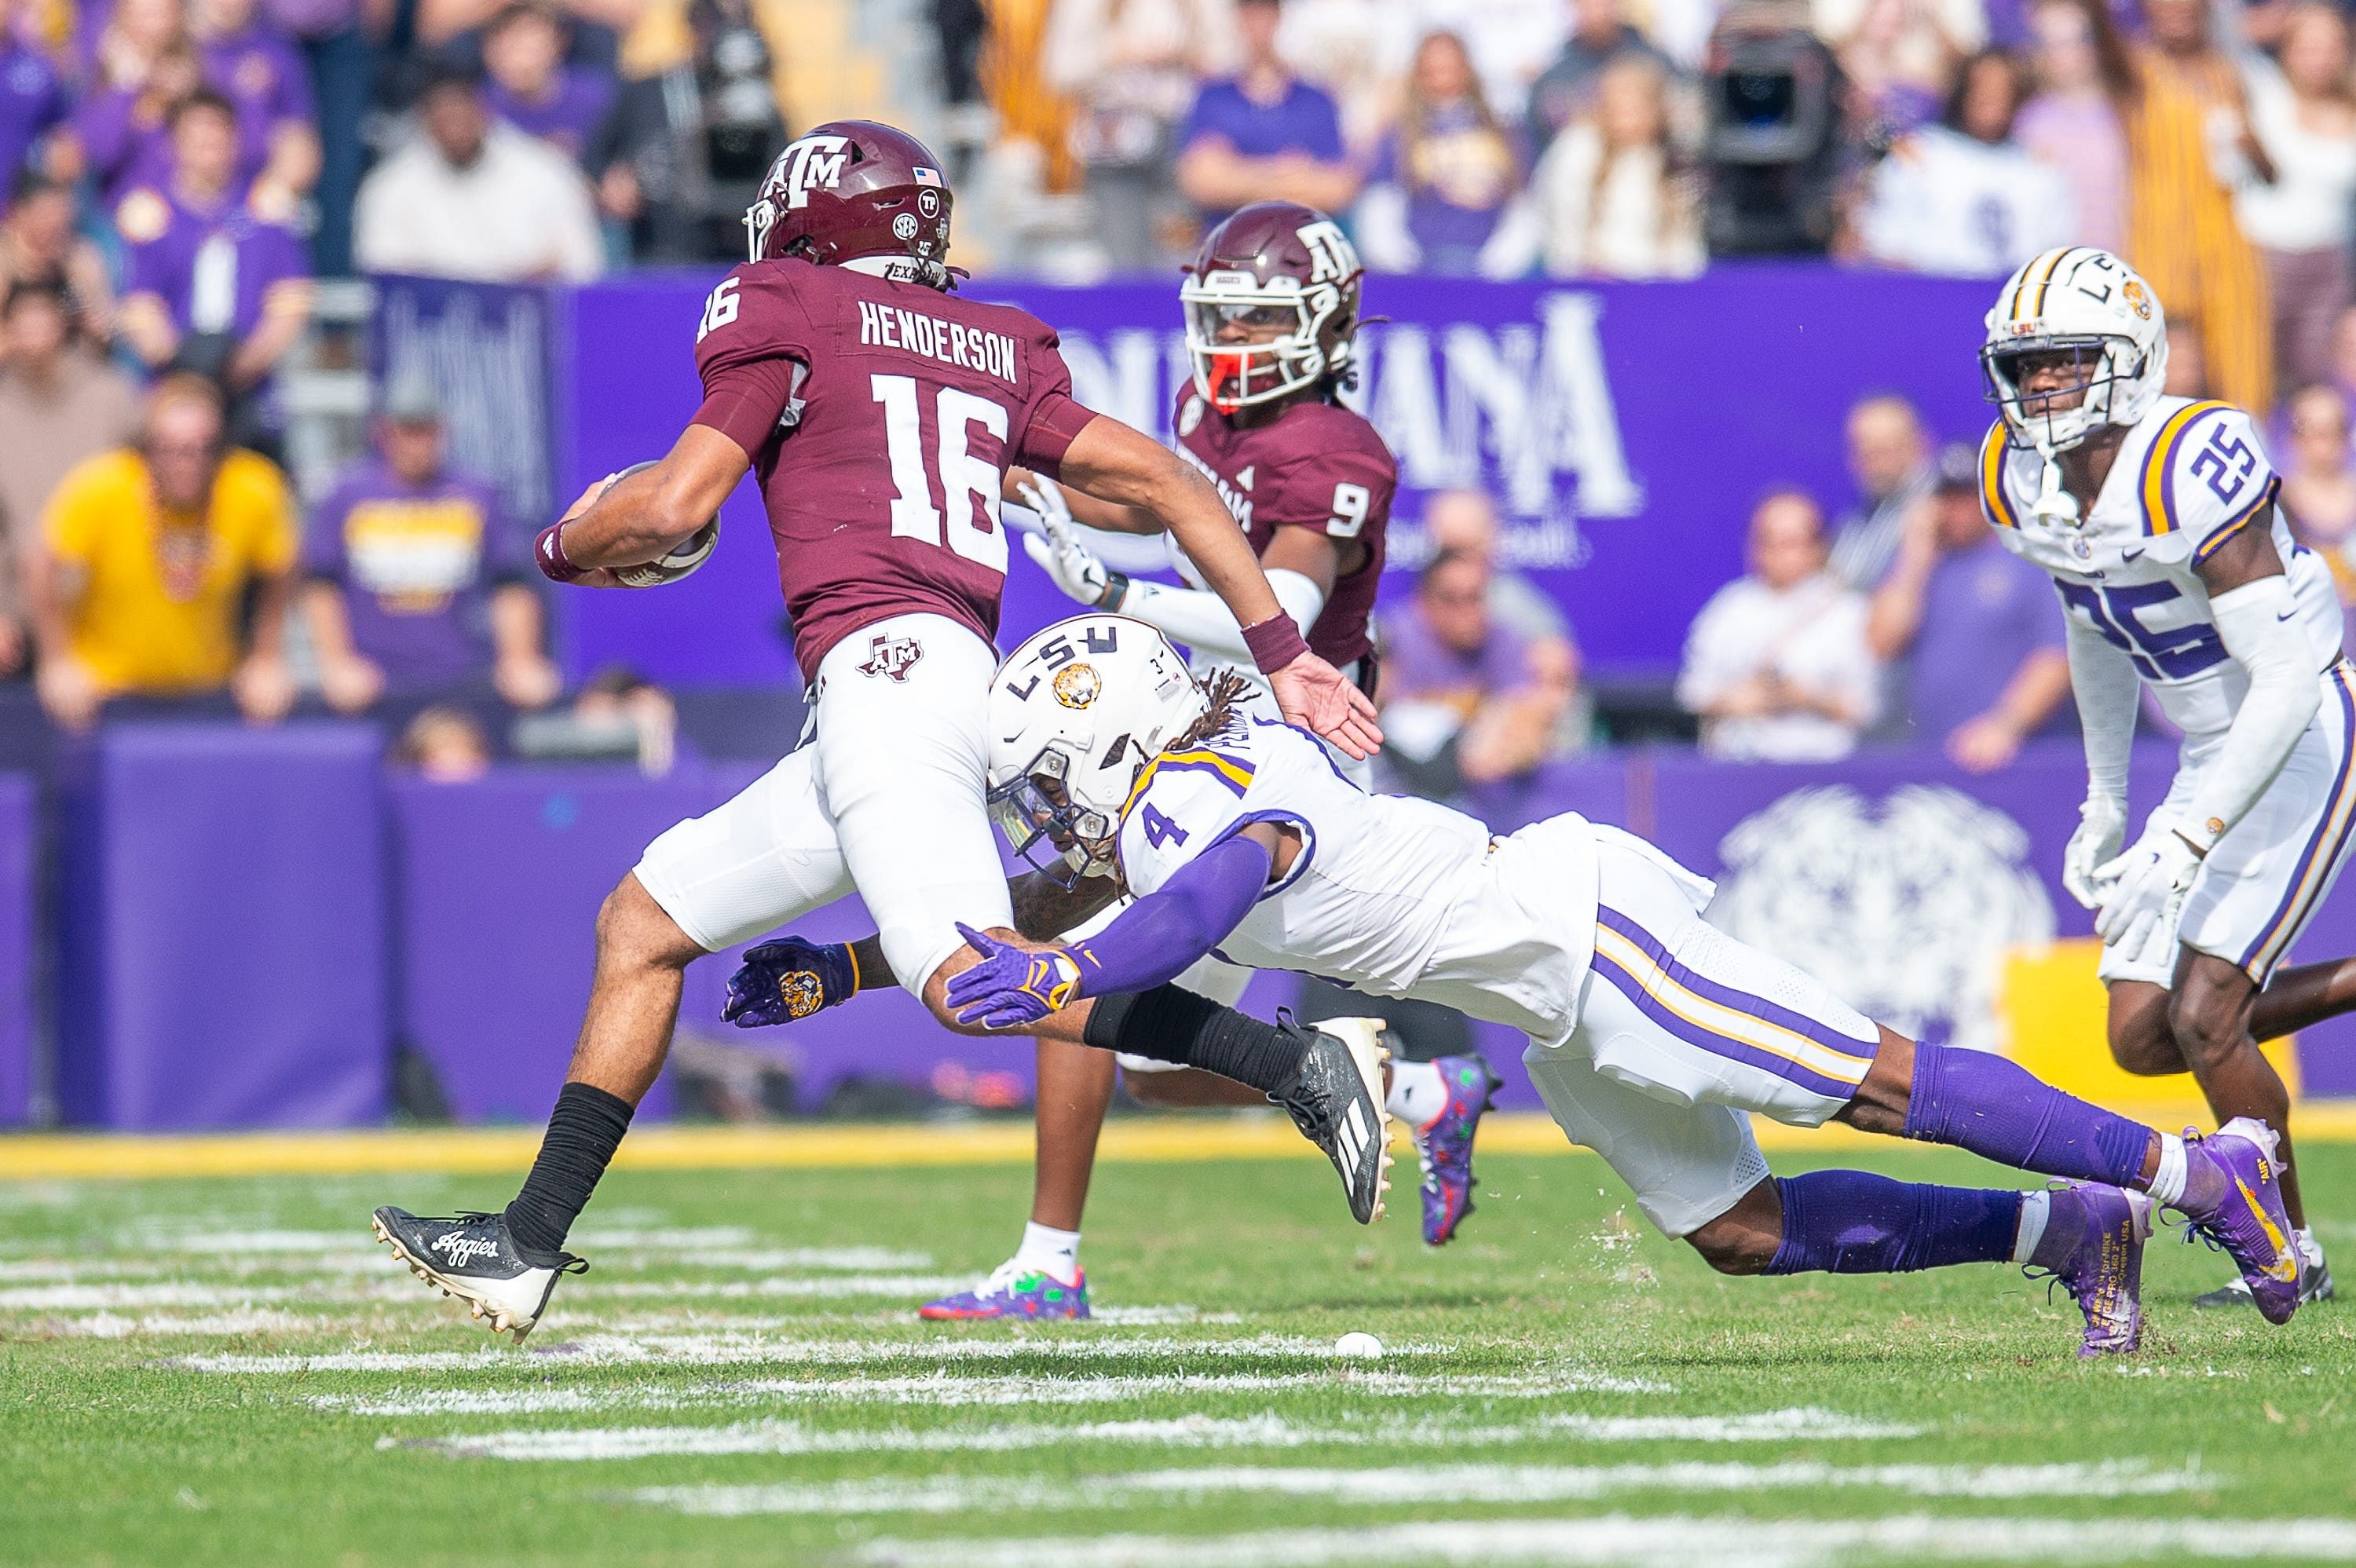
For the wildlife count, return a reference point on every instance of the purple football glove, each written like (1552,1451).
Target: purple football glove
(787,979)
(1011,988)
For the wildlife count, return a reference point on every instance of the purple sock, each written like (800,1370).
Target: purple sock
(1851,1221)
(1978,1101)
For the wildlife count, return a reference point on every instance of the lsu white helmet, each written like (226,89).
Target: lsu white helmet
(1073,713)
(2090,305)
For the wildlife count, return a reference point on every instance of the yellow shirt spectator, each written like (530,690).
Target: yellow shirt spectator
(152,595)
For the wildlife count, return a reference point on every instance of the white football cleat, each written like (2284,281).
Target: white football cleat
(472,1258)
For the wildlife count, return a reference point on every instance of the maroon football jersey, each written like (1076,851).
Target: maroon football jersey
(1315,466)
(881,418)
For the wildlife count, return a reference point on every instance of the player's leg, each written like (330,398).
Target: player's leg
(1697,1174)
(767,857)
(1735,1026)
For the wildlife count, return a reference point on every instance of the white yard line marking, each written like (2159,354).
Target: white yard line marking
(218,1325)
(736,1350)
(1443,1484)
(1724,1543)
(916,1286)
(1149,1315)
(118,1297)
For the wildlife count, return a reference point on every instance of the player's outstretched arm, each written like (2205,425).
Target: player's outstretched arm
(636,517)
(1114,462)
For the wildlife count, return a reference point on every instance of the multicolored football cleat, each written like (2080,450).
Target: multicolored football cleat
(1444,1146)
(2248,1219)
(1012,1291)
(2103,1270)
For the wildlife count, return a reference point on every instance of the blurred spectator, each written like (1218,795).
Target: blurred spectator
(1600,34)
(1463,699)
(444,746)
(1899,57)
(215,287)
(531,87)
(60,402)
(1961,198)
(38,245)
(1609,199)
(1465,522)
(618,714)
(2304,220)
(1511,43)
(1889,458)
(596,26)
(1988,665)
(1262,134)
(2073,121)
(1776,665)
(255,67)
(33,97)
(332,38)
(146,65)
(415,583)
(148,556)
(2318,483)
(1443,178)
(1129,68)
(469,199)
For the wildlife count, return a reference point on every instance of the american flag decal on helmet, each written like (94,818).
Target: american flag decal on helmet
(927,176)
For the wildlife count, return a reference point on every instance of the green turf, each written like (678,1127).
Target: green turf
(109,1450)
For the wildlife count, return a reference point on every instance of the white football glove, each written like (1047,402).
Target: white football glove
(1059,554)
(2148,883)
(2102,830)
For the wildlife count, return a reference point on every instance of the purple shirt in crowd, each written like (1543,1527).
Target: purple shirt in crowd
(1304,120)
(573,112)
(211,265)
(1457,182)
(1983,611)
(260,71)
(1419,667)
(125,148)
(32,103)
(417,564)
(311,20)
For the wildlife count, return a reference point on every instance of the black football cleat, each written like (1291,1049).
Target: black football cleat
(1337,1103)
(472,1258)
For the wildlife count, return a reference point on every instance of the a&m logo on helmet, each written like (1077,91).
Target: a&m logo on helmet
(1331,257)
(1077,685)
(817,161)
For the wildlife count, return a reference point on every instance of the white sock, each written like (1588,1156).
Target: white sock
(2034,1208)
(1417,1093)
(2167,1182)
(1050,1252)
(2310,1248)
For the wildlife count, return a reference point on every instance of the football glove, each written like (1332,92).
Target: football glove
(1012,986)
(787,979)
(2147,885)
(2101,829)
(1060,554)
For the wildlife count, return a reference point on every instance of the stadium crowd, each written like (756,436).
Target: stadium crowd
(182,172)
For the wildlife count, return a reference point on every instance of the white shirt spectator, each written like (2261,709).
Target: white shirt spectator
(521,211)
(1634,221)
(1812,635)
(2311,205)
(1952,205)
(1511,41)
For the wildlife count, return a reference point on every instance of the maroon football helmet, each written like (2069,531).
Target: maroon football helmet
(851,188)
(1271,304)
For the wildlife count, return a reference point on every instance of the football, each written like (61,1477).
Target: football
(680,560)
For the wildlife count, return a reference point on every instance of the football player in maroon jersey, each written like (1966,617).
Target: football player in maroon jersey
(879,414)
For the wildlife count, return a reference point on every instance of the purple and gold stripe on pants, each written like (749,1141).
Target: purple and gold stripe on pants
(1719,1019)
(2320,854)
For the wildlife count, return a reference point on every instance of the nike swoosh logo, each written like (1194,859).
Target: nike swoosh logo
(2285,1267)
(2131,554)
(2286,614)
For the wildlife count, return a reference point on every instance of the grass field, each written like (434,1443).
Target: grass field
(224,1370)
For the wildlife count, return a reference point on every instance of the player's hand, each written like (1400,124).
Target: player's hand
(1012,986)
(1322,700)
(787,979)
(2147,884)
(1061,555)
(2102,828)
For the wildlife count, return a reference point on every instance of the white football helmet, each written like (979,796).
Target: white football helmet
(2087,302)
(1073,713)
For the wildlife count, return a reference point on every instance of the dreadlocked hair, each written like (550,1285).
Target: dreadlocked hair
(1227,692)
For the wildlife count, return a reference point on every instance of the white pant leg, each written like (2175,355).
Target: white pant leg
(763,859)
(903,762)
(1683,1012)
(1686,1164)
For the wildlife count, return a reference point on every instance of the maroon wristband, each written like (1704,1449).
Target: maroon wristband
(547,551)
(1274,642)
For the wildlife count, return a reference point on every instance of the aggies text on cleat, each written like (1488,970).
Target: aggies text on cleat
(1337,1103)
(472,1258)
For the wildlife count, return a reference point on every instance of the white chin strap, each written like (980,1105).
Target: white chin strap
(2053,503)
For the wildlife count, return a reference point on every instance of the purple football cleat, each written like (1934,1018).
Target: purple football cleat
(1444,1145)
(2093,1248)
(1012,1292)
(2247,1218)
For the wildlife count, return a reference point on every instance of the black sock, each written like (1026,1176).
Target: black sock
(1167,1024)
(582,1133)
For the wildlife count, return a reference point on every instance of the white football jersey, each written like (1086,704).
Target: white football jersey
(1390,895)
(2191,476)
